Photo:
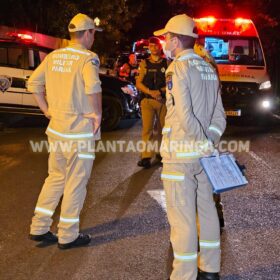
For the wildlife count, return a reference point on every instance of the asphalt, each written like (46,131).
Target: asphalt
(125,214)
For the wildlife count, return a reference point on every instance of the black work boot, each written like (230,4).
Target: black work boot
(207,275)
(46,237)
(144,162)
(159,159)
(82,240)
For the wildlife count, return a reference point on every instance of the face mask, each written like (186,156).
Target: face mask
(167,53)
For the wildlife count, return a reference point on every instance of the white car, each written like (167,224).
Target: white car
(19,56)
(18,59)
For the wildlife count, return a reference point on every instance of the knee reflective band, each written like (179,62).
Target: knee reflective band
(173,176)
(185,257)
(70,136)
(69,220)
(43,211)
(209,244)
(86,156)
(213,128)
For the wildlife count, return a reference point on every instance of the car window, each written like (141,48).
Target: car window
(235,50)
(42,55)
(15,57)
(31,60)
(36,57)
(12,57)
(3,56)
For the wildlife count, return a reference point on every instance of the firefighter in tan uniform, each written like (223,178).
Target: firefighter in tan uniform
(67,89)
(194,123)
(201,51)
(151,83)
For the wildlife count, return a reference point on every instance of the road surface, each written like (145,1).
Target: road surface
(125,212)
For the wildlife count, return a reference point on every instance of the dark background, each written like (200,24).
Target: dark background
(125,21)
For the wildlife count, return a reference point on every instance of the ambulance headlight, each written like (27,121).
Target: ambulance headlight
(266,104)
(265,85)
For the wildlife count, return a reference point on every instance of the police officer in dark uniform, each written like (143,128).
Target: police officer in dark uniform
(151,83)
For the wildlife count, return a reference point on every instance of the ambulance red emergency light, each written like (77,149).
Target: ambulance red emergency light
(236,48)
(23,36)
(235,27)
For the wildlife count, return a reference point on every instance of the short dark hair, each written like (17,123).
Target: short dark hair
(79,34)
(187,41)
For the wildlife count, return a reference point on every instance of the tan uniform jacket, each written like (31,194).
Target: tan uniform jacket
(195,112)
(67,76)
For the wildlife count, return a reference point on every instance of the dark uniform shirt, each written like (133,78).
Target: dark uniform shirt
(152,74)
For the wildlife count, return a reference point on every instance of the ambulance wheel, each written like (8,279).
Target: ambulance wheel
(111,113)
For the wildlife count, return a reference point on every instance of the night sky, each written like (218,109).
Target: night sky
(155,16)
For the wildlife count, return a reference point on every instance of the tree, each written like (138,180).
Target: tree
(52,17)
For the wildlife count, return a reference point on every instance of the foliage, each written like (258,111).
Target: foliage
(52,17)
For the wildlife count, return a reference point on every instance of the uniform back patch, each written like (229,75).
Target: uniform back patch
(95,61)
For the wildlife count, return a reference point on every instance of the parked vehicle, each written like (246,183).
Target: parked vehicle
(20,54)
(236,47)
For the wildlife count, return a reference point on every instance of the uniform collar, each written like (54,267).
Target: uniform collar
(77,46)
(184,52)
(153,61)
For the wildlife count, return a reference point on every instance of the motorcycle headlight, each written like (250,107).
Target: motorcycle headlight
(265,85)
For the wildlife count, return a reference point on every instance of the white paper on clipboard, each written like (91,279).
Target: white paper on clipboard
(223,172)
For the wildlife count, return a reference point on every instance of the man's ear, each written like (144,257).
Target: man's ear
(177,42)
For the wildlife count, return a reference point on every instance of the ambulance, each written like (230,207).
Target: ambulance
(236,48)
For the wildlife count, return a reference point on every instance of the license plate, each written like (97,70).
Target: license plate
(236,113)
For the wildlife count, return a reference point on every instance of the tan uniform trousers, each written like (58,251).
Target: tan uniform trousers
(188,192)
(69,169)
(151,109)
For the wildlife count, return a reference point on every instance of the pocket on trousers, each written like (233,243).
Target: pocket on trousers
(175,194)
(84,165)
(175,188)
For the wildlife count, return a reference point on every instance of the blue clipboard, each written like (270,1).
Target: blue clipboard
(223,172)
